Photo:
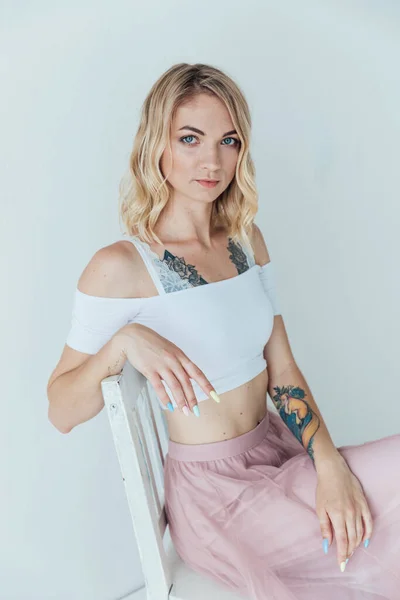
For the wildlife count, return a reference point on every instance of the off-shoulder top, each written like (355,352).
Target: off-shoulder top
(222,326)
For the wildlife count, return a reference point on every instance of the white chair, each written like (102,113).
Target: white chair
(140,435)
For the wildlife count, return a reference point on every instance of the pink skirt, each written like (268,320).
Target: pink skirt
(242,511)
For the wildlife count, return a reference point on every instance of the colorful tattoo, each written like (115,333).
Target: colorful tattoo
(297,415)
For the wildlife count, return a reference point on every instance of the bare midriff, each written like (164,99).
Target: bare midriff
(239,411)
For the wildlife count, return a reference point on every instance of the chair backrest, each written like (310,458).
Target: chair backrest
(141,440)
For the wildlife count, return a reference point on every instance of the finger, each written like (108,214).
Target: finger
(175,386)
(186,384)
(340,530)
(351,533)
(359,528)
(157,385)
(196,374)
(368,523)
(326,530)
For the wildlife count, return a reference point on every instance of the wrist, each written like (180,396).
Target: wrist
(328,461)
(117,355)
(121,338)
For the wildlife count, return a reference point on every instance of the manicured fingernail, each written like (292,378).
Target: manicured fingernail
(347,560)
(215,396)
(343,565)
(170,407)
(186,411)
(366,543)
(196,410)
(325,545)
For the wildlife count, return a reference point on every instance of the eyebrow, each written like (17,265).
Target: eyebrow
(202,132)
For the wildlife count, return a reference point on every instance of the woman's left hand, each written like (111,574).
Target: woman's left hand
(341,504)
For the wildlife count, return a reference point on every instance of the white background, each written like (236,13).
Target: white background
(323,86)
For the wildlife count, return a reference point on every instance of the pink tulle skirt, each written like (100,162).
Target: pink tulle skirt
(242,511)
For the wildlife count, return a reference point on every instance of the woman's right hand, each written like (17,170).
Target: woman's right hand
(157,358)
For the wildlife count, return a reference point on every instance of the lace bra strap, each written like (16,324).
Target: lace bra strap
(147,256)
(249,255)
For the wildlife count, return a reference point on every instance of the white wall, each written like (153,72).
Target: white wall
(322,82)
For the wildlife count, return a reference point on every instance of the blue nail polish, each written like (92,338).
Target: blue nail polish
(325,545)
(170,407)
(196,410)
(366,543)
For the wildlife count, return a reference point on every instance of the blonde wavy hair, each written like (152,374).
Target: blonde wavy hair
(144,191)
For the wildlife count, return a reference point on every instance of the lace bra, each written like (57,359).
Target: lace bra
(172,273)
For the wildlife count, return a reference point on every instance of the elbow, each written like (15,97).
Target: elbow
(52,417)
(61,427)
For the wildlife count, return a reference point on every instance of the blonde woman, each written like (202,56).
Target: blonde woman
(262,501)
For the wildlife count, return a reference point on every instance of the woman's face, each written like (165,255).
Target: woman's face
(211,152)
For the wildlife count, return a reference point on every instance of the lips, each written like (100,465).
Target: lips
(207,183)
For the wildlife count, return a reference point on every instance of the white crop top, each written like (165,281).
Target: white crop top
(221,326)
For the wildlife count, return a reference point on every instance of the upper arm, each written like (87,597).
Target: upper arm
(70,359)
(104,275)
(277,351)
(260,249)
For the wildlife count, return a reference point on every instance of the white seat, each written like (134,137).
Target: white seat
(140,435)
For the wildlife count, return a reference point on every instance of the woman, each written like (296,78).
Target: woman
(188,297)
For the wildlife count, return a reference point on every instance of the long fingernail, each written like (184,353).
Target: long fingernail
(325,545)
(343,565)
(366,543)
(170,407)
(196,410)
(186,411)
(215,396)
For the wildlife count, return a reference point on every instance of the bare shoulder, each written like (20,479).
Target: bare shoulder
(109,273)
(261,254)
(112,272)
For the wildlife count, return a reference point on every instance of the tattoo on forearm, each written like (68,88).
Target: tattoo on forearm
(115,367)
(302,421)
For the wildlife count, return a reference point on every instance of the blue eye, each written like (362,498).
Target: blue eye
(236,142)
(186,137)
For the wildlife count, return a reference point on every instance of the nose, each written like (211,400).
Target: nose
(210,158)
